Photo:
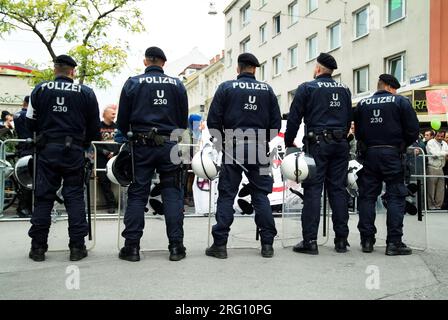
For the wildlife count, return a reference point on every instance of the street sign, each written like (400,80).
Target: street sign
(419,78)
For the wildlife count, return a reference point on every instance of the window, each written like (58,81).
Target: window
(361,22)
(228,58)
(395,66)
(361,80)
(244,45)
(293,57)
(312,5)
(245,15)
(293,13)
(277,65)
(276,23)
(263,34)
(229,27)
(395,10)
(262,3)
(312,47)
(262,72)
(334,32)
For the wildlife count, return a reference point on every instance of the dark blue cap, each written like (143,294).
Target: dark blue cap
(327,61)
(249,59)
(390,80)
(155,52)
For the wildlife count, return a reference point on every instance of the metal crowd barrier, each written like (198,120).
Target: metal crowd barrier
(411,228)
(292,212)
(121,195)
(250,244)
(420,177)
(2,178)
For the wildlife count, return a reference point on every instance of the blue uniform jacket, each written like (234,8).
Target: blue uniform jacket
(244,103)
(323,103)
(153,100)
(386,119)
(62,108)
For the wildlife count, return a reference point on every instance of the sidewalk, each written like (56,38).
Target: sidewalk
(244,275)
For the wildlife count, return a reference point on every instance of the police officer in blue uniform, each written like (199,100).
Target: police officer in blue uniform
(24,207)
(325,105)
(65,117)
(385,125)
(153,105)
(249,105)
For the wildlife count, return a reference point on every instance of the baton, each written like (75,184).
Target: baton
(34,168)
(236,161)
(325,212)
(419,200)
(130,135)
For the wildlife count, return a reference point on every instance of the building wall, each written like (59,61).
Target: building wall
(409,35)
(439,42)
(202,86)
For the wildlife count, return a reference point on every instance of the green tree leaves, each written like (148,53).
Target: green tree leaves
(83,24)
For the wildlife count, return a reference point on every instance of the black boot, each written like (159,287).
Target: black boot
(367,244)
(129,253)
(398,249)
(267,251)
(37,254)
(219,252)
(78,253)
(177,251)
(340,245)
(308,247)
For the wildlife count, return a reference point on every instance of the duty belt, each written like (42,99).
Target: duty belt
(151,138)
(67,141)
(383,146)
(326,135)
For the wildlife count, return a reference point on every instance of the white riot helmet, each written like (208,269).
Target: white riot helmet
(204,163)
(297,166)
(119,168)
(23,172)
(353,168)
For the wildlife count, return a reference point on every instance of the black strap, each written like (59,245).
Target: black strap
(202,163)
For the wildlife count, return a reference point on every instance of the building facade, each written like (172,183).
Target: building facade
(14,86)
(201,85)
(367,38)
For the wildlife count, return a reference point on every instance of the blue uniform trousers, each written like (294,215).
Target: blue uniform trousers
(260,186)
(55,163)
(331,168)
(382,164)
(147,159)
